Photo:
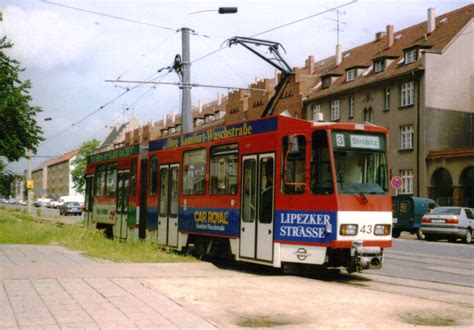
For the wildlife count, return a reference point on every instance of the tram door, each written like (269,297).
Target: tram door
(256,225)
(123,182)
(168,205)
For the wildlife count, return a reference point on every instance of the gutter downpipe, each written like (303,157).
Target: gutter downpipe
(418,96)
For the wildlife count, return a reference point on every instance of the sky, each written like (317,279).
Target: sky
(69,53)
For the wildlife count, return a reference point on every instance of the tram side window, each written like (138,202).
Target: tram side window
(223,173)
(153,176)
(321,179)
(293,164)
(111,180)
(99,187)
(133,177)
(194,172)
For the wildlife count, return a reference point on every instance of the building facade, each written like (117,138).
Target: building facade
(59,178)
(419,83)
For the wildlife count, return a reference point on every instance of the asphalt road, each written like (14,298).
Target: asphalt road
(439,262)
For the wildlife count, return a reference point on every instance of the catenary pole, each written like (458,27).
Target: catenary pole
(186,116)
(29,192)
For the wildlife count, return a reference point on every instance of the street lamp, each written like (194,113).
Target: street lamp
(185,70)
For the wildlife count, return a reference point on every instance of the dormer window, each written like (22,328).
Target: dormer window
(411,55)
(326,82)
(328,79)
(350,74)
(379,66)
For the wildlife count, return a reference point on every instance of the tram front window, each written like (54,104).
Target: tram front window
(360,163)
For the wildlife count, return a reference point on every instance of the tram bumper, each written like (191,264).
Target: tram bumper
(365,257)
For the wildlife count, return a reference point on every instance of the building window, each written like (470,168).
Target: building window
(350,74)
(406,137)
(386,99)
(351,106)
(410,56)
(406,94)
(335,112)
(316,110)
(379,66)
(407,178)
(368,115)
(326,81)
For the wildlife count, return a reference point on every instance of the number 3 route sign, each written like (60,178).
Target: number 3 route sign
(396,182)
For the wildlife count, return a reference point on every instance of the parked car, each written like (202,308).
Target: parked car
(70,208)
(42,202)
(451,222)
(54,204)
(22,202)
(407,214)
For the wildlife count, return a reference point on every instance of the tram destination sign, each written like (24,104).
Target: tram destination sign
(346,140)
(216,134)
(112,154)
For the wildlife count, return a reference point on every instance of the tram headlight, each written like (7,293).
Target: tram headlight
(382,230)
(348,230)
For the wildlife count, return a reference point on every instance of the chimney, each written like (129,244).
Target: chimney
(220,96)
(338,54)
(310,64)
(389,36)
(173,116)
(200,106)
(165,117)
(431,25)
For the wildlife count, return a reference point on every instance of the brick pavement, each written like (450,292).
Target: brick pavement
(50,287)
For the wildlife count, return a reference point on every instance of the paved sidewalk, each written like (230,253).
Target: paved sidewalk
(51,287)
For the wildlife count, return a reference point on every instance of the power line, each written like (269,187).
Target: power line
(143,55)
(279,27)
(303,19)
(110,16)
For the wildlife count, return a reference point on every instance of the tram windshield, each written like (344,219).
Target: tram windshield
(360,163)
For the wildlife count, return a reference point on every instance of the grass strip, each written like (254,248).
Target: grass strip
(18,227)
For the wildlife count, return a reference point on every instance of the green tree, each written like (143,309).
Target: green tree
(6,180)
(80,162)
(19,130)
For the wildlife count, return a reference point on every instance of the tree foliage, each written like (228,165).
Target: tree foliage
(80,162)
(19,130)
(6,180)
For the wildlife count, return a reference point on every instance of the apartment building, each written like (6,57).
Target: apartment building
(419,83)
(59,178)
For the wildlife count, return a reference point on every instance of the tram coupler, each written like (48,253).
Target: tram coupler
(365,257)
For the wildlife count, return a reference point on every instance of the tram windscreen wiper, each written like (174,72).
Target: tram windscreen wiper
(359,191)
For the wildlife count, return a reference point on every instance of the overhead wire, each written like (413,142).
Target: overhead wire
(110,16)
(278,27)
(143,55)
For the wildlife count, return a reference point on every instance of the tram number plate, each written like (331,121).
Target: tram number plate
(395,220)
(437,220)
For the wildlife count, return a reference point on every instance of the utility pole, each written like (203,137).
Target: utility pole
(186,115)
(29,191)
(185,70)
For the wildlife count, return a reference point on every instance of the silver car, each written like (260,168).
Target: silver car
(451,222)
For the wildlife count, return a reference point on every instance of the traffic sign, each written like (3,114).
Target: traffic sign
(397,182)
